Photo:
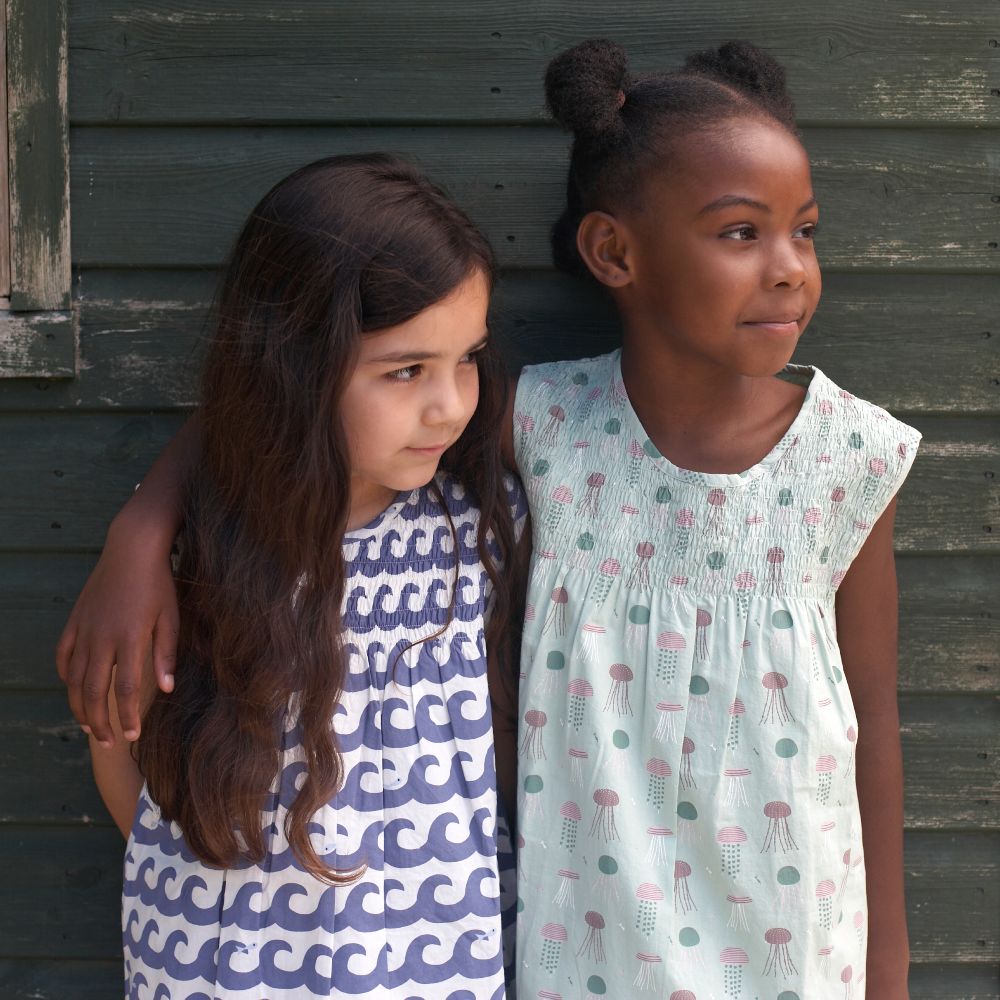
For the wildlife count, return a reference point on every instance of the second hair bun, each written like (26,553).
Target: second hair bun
(584,87)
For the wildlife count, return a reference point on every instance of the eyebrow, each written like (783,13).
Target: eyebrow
(729,200)
(412,357)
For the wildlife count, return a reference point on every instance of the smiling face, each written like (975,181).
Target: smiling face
(415,387)
(720,266)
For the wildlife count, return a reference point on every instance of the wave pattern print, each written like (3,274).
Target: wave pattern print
(418,811)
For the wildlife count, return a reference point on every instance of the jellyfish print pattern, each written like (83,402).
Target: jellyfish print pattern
(618,700)
(570,813)
(607,574)
(592,947)
(576,759)
(847,977)
(639,577)
(659,771)
(603,825)
(687,817)
(609,443)
(648,896)
(659,844)
(811,521)
(731,840)
(584,547)
(590,638)
(698,688)
(716,524)
(736,792)
(745,583)
(738,912)
(553,937)
(684,524)
(580,691)
(666,728)
(559,502)
(565,896)
(826,764)
(590,503)
(607,878)
(733,960)
(690,940)
(715,563)
(775,707)
(669,646)
(637,627)
(645,978)
(736,711)
(555,663)
(824,902)
(590,401)
(533,786)
(555,620)
(846,858)
(779,958)
(876,470)
(778,838)
(687,773)
(788,879)
(661,506)
(775,583)
(532,746)
(683,900)
(556,418)
(852,738)
(597,988)
(703,619)
(635,455)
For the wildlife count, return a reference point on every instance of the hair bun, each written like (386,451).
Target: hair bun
(584,86)
(748,68)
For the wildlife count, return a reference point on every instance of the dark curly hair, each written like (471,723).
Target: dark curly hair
(624,127)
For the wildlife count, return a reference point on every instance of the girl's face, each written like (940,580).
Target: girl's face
(411,395)
(723,268)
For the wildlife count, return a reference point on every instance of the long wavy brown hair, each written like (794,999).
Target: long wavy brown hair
(342,247)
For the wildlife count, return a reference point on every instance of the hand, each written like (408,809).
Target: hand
(127,605)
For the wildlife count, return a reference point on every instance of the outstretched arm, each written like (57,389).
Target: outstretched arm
(867,634)
(128,604)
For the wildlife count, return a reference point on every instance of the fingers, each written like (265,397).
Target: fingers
(165,649)
(128,684)
(94,685)
(64,649)
(72,659)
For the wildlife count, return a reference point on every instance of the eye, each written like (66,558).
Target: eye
(470,358)
(407,374)
(745,233)
(808,231)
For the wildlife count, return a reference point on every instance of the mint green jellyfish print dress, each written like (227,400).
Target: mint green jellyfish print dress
(688,817)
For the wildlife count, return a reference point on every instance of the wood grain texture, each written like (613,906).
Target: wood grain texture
(949,624)
(66,475)
(911,343)
(240,60)
(892,199)
(38,345)
(66,883)
(951,749)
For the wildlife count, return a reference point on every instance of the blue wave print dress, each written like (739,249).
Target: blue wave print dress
(687,795)
(418,807)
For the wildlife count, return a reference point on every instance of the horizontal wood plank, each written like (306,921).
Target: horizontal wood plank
(911,343)
(951,749)
(239,60)
(892,199)
(954,982)
(38,345)
(66,475)
(64,885)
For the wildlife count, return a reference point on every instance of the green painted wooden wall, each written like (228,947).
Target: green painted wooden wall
(183,113)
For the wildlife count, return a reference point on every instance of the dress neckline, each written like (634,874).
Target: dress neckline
(806,375)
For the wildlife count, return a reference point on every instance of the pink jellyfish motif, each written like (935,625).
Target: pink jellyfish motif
(550,432)
(716,526)
(852,738)
(648,895)
(824,959)
(775,706)
(846,858)
(824,410)
(811,520)
(814,654)
(637,627)
(824,901)
(736,711)
(738,912)
(576,759)
(635,455)
(859,927)
(544,559)
(639,577)
(580,453)
(684,522)
(683,901)
(553,937)
(659,839)
(589,402)
(779,959)
(659,771)
(754,521)
(579,691)
(682,995)
(549,995)
(731,839)
(736,792)
(787,462)
(669,646)
(525,423)
(603,824)
(666,728)
(584,548)
(837,495)
(555,620)
(570,813)
(565,897)
(702,620)
(745,583)
(687,775)
(532,746)
(733,960)
(826,764)
(618,700)
(775,583)
(678,580)
(591,502)
(645,978)
(618,395)
(559,502)
(591,634)
(607,573)
(744,670)
(592,947)
(873,477)
(847,978)
(778,836)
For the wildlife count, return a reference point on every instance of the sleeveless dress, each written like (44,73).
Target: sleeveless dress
(687,809)
(418,807)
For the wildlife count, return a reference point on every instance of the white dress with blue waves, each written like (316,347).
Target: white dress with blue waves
(418,807)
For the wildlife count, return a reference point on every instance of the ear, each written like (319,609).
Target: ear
(601,242)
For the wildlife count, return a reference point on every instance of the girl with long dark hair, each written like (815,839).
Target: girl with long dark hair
(317,799)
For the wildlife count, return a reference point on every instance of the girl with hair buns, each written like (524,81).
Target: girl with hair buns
(768,588)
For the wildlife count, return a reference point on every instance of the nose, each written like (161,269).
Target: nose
(446,403)
(787,266)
